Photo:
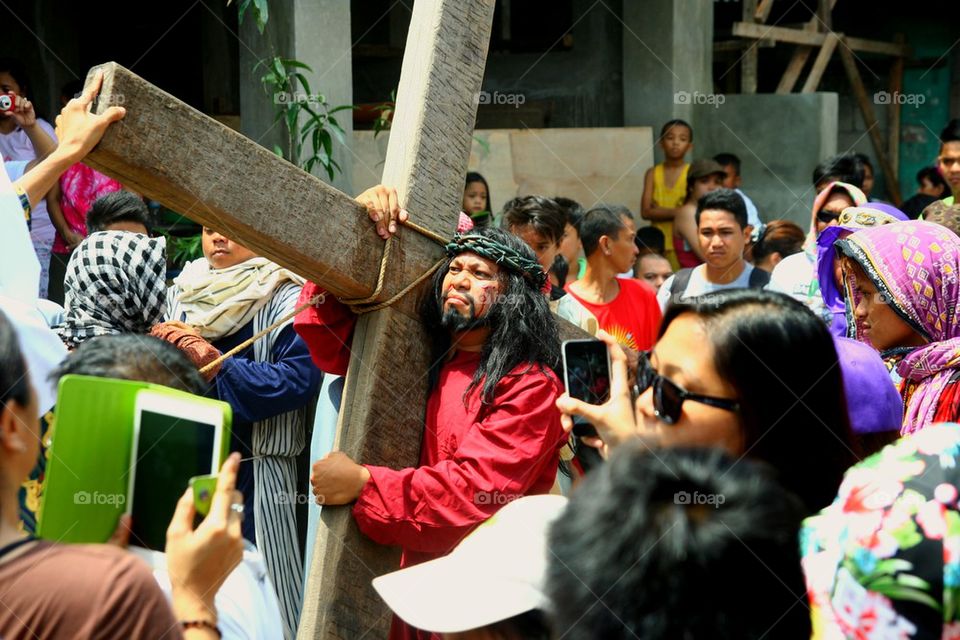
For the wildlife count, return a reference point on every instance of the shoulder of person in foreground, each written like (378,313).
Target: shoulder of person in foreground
(96,590)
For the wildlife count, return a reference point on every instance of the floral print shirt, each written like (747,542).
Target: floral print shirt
(883,561)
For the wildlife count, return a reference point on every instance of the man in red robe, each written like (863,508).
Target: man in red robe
(492,431)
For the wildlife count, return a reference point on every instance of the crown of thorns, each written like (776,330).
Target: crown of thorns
(501,254)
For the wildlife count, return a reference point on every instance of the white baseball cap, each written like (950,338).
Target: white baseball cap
(495,573)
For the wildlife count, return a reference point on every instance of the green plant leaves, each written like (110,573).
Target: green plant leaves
(285,83)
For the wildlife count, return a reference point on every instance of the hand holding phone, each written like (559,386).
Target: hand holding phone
(175,438)
(586,374)
(612,413)
(203,488)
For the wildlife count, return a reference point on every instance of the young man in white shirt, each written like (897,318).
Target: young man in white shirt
(722,231)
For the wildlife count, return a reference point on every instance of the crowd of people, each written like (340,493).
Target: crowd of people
(775,456)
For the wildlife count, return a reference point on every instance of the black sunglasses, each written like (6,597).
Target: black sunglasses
(668,396)
(826,217)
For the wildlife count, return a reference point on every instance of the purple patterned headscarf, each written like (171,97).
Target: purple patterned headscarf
(916,266)
(852,219)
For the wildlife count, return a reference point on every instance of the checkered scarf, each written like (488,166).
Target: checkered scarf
(115,283)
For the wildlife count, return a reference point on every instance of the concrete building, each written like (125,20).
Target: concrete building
(552,63)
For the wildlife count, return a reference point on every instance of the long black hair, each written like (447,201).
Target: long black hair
(781,360)
(473,176)
(522,329)
(19,73)
(14,381)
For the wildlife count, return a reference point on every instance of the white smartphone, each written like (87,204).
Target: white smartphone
(176,436)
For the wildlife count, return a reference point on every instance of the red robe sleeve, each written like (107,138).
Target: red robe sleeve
(327,328)
(513,451)
(948,406)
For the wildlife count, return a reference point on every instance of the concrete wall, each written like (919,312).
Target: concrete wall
(322,40)
(580,87)
(317,34)
(667,50)
(220,62)
(588,165)
(779,139)
(577,88)
(256,107)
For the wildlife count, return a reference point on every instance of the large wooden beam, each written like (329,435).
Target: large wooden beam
(794,68)
(430,140)
(870,120)
(762,11)
(202,169)
(816,39)
(799,58)
(824,16)
(820,64)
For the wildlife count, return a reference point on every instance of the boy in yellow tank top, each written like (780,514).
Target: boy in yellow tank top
(665,185)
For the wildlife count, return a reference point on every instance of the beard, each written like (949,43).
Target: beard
(455,322)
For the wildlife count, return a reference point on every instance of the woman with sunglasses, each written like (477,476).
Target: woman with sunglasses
(752,372)
(797,275)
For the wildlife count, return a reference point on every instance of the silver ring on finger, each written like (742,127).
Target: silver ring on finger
(236,509)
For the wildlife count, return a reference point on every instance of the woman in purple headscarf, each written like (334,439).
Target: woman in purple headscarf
(904,290)
(852,219)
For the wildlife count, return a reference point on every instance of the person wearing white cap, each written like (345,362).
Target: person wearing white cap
(490,586)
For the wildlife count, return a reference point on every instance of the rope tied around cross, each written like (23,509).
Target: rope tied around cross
(488,248)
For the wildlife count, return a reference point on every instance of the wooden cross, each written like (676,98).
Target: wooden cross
(174,154)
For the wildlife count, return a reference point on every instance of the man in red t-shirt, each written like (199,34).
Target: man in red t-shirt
(492,430)
(625,308)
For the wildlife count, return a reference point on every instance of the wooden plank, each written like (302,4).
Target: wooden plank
(824,15)
(426,160)
(870,120)
(816,39)
(762,11)
(749,61)
(794,69)
(799,59)
(215,176)
(820,64)
(896,87)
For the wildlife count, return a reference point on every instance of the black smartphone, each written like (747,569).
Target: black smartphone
(586,374)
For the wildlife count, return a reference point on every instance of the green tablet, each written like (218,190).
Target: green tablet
(89,480)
